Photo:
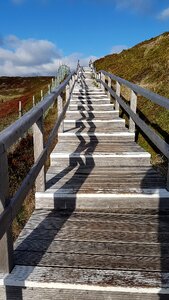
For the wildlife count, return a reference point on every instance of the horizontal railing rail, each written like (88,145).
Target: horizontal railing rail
(9,208)
(160,100)
(131,110)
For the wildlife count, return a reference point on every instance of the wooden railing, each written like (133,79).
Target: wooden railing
(9,208)
(102,77)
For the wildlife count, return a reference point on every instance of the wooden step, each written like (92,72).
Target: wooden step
(96,137)
(92,107)
(84,115)
(90,147)
(72,283)
(103,188)
(102,199)
(89,101)
(82,231)
(70,124)
(67,255)
(92,126)
(82,93)
(96,98)
(100,159)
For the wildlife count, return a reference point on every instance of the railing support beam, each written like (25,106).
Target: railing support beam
(109,85)
(167,185)
(38,139)
(60,109)
(118,92)
(133,106)
(6,243)
(103,79)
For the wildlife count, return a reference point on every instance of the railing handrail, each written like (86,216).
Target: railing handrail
(131,110)
(160,100)
(8,137)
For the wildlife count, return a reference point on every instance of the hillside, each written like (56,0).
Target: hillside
(21,157)
(146,64)
(15,89)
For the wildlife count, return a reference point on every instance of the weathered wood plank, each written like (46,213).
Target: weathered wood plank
(101,248)
(130,215)
(96,235)
(18,293)
(98,279)
(67,260)
(114,225)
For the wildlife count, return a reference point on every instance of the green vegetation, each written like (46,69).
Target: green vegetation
(146,64)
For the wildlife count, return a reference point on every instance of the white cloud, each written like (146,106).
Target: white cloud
(29,57)
(164,15)
(118,48)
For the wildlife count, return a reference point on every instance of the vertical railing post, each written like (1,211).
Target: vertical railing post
(20,109)
(6,243)
(167,187)
(100,78)
(118,93)
(38,141)
(103,79)
(49,89)
(60,109)
(71,83)
(67,92)
(95,74)
(109,85)
(33,101)
(41,93)
(73,79)
(133,106)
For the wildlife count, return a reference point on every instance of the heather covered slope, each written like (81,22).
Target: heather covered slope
(146,64)
(15,89)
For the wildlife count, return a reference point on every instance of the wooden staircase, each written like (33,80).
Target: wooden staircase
(96,232)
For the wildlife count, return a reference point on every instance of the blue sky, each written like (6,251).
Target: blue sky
(38,35)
